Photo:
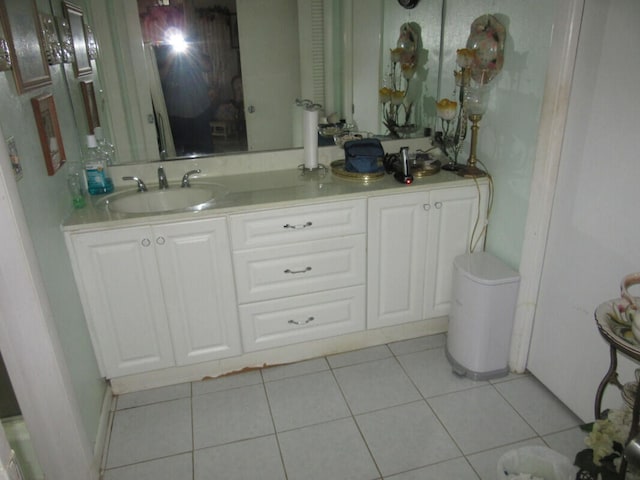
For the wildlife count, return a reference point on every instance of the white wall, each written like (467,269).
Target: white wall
(46,201)
(508,131)
(594,233)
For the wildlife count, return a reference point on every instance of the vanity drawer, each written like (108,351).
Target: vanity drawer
(302,318)
(272,272)
(296,224)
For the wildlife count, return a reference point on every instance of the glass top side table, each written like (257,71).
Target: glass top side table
(617,332)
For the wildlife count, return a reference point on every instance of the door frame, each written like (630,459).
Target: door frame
(553,119)
(30,347)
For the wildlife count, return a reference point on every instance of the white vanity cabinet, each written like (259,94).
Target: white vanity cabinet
(412,240)
(157,296)
(300,272)
(200,297)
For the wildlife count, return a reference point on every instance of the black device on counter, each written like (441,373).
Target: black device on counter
(404,175)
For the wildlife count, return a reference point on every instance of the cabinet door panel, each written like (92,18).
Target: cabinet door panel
(396,255)
(122,295)
(452,218)
(197,279)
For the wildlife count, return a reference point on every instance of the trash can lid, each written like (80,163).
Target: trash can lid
(482,267)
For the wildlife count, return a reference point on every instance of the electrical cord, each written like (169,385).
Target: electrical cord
(482,234)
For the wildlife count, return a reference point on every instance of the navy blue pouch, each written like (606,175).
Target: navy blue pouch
(363,156)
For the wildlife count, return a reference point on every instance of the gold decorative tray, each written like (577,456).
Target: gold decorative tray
(424,169)
(337,168)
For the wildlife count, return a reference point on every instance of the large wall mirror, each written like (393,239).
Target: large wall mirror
(184,78)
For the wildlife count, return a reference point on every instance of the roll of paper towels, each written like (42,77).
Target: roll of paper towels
(310,132)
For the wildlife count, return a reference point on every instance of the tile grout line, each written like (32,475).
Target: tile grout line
(353,418)
(273,422)
(424,399)
(193,440)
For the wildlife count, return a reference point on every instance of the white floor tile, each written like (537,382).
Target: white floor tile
(255,458)
(568,442)
(486,463)
(154,395)
(359,356)
(230,415)
(418,344)
(537,405)
(294,369)
(456,469)
(226,427)
(305,400)
(406,437)
(374,385)
(149,432)
(227,382)
(431,372)
(333,450)
(479,419)
(168,468)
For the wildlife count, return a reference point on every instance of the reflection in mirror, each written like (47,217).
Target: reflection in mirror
(251,73)
(313,49)
(196,65)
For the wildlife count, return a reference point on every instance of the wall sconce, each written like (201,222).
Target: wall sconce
(66,40)
(52,46)
(92,46)
(5,57)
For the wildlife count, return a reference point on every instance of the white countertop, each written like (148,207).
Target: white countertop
(252,191)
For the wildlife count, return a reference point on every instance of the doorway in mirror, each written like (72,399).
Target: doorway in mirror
(197,78)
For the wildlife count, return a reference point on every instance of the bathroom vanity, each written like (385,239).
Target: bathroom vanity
(284,267)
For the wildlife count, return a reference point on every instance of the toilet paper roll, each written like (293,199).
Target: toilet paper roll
(310,132)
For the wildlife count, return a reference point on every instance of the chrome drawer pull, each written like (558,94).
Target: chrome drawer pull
(293,272)
(295,322)
(295,227)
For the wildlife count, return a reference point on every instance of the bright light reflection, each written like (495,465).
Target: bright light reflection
(177,42)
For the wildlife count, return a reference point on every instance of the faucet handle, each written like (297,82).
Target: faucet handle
(185,177)
(141,186)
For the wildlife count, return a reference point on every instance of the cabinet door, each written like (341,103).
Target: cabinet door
(396,258)
(455,215)
(118,279)
(197,279)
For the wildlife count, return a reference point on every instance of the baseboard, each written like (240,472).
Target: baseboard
(278,356)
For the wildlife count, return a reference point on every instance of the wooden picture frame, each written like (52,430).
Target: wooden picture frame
(21,24)
(44,110)
(75,17)
(90,105)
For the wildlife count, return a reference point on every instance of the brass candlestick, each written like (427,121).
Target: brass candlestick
(475,105)
(470,169)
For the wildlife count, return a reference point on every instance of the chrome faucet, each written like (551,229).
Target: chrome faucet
(141,186)
(162,179)
(185,177)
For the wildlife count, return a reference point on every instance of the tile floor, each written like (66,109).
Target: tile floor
(393,412)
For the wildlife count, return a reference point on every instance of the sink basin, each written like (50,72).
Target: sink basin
(175,199)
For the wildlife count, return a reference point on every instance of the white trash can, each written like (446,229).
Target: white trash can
(535,462)
(481,319)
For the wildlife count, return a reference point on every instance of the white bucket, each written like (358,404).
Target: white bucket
(540,462)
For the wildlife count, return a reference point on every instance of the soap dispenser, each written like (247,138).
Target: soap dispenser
(98,181)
